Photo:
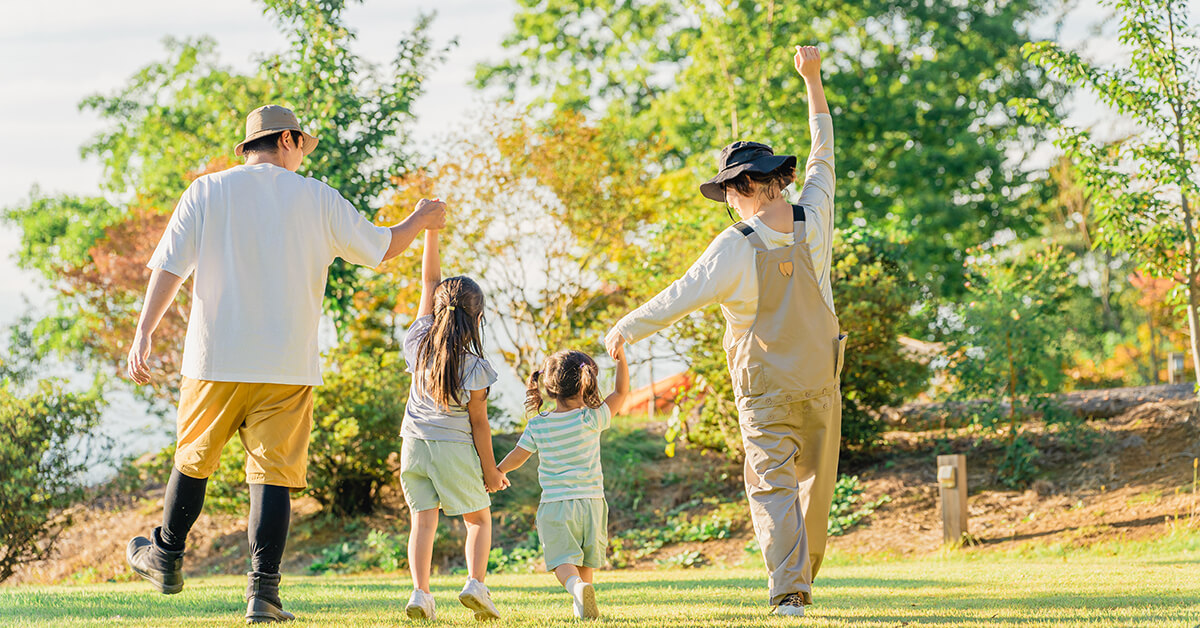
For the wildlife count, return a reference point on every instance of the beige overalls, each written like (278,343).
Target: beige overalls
(786,371)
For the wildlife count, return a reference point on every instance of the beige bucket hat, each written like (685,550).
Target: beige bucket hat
(270,119)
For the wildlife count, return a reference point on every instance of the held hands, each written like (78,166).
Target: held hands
(139,354)
(431,213)
(615,345)
(495,480)
(808,62)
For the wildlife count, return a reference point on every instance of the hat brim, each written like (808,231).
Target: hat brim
(712,189)
(309,144)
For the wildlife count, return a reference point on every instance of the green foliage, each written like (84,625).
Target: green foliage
(848,509)
(1143,189)
(681,527)
(1009,345)
(1009,351)
(46,445)
(875,296)
(524,558)
(918,93)
(356,428)
(687,559)
(1018,467)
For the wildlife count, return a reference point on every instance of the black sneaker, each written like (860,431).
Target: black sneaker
(160,566)
(263,605)
(792,604)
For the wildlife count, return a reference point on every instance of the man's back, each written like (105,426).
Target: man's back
(260,239)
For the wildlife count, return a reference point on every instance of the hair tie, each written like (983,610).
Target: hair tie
(451,308)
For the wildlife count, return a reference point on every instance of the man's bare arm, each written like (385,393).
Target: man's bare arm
(159,295)
(428,215)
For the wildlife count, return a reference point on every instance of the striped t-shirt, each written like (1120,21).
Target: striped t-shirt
(568,448)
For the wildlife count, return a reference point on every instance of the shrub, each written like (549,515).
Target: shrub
(846,511)
(356,428)
(874,294)
(45,447)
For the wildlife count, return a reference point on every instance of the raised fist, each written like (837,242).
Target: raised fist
(808,61)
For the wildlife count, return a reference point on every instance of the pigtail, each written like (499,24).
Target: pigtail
(589,386)
(533,393)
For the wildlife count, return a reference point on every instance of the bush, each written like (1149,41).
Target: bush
(356,428)
(846,511)
(874,294)
(45,447)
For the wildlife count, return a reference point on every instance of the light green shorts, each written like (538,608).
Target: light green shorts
(444,474)
(574,532)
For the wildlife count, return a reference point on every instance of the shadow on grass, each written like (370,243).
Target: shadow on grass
(853,600)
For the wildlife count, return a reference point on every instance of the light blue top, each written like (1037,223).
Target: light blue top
(424,418)
(568,448)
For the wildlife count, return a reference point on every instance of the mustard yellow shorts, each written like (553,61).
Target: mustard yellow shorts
(273,421)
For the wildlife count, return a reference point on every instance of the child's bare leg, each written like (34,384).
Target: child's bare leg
(585,574)
(479,542)
(420,547)
(566,572)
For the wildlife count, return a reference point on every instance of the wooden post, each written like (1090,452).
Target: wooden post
(952,486)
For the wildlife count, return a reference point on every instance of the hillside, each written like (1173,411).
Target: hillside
(1127,477)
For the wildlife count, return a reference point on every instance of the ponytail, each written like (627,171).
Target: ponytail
(533,393)
(455,332)
(589,386)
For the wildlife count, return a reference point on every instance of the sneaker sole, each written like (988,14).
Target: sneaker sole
(591,610)
(153,578)
(482,611)
(416,612)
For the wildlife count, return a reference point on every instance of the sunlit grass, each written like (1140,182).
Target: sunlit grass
(1152,584)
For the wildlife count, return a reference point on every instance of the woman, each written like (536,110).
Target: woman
(770,274)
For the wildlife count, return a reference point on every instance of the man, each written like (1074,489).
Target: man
(260,239)
(770,274)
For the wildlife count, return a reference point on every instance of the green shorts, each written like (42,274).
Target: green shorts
(444,474)
(574,532)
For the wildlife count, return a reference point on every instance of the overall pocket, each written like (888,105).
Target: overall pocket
(750,382)
(839,352)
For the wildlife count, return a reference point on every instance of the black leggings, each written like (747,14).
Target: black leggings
(267,528)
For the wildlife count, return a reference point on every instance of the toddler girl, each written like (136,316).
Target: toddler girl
(572,519)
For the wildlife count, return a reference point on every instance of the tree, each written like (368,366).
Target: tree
(1010,351)
(45,448)
(545,215)
(1143,189)
(918,92)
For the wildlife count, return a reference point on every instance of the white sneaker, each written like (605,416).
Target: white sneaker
(420,605)
(584,597)
(792,605)
(476,597)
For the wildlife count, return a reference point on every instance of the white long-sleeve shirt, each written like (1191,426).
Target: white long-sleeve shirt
(726,272)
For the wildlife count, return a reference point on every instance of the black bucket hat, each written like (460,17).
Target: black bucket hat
(741,157)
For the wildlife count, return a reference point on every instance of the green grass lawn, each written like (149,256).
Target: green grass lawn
(1135,585)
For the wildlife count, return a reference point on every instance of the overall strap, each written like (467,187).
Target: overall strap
(747,231)
(799,224)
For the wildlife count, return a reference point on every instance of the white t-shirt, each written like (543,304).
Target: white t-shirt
(726,272)
(424,418)
(260,239)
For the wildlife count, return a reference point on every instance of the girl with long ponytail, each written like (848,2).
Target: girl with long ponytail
(446,460)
